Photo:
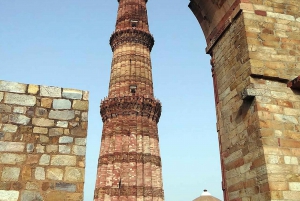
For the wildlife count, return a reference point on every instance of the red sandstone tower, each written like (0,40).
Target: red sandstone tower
(129,165)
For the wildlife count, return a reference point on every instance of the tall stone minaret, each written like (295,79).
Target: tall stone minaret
(129,165)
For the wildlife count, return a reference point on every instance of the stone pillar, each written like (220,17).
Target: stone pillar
(254,46)
(43,133)
(129,163)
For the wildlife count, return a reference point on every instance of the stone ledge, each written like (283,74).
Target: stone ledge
(130,105)
(295,83)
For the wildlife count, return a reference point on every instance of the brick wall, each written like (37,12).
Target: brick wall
(43,133)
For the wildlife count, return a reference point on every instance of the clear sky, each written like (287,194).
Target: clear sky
(65,43)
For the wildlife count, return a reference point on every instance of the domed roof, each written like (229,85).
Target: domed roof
(206,196)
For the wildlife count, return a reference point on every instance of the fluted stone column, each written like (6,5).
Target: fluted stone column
(129,164)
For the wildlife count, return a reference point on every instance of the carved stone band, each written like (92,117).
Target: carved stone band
(152,135)
(128,157)
(131,36)
(128,78)
(130,191)
(132,57)
(130,105)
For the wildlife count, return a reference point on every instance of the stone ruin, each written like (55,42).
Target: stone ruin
(43,132)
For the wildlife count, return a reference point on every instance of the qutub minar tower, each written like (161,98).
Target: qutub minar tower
(129,167)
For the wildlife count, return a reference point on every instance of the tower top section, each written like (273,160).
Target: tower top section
(132,24)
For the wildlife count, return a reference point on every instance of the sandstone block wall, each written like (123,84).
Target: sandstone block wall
(255,52)
(43,132)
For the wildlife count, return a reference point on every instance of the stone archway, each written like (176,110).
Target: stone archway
(254,47)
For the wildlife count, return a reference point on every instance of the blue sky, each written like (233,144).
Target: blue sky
(65,43)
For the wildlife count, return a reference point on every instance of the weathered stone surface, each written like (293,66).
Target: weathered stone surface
(26,173)
(30,147)
(67,131)
(73,124)
(46,186)
(1,135)
(74,174)
(16,186)
(84,116)
(40,148)
(43,122)
(9,128)
(62,124)
(78,150)
(291,195)
(54,196)
(43,139)
(32,159)
(9,195)
(41,112)
(44,160)
(25,129)
(80,141)
(64,149)
(19,110)
(12,146)
(80,105)
(61,104)
(40,130)
(78,131)
(19,119)
(262,62)
(31,196)
(10,174)
(63,160)
(52,148)
(4,185)
(50,91)
(85,95)
(62,115)
(55,174)
(46,102)
(72,94)
(5,108)
(35,145)
(31,186)
(12,87)
(1,96)
(39,173)
(65,139)
(33,89)
(18,99)
(65,187)
(56,131)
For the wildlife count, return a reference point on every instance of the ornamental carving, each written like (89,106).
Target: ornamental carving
(117,79)
(131,36)
(137,16)
(129,157)
(153,135)
(219,3)
(132,191)
(128,57)
(130,105)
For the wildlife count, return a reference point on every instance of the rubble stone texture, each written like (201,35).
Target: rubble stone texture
(40,158)
(129,164)
(255,46)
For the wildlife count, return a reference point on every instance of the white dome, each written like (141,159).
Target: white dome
(206,196)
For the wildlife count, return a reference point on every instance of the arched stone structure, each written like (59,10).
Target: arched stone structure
(255,46)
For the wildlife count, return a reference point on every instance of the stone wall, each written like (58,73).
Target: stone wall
(43,134)
(255,54)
